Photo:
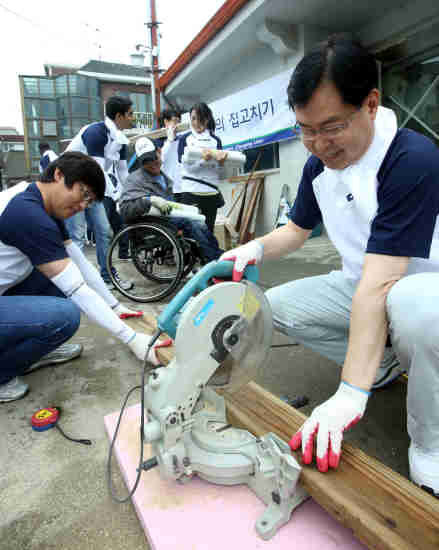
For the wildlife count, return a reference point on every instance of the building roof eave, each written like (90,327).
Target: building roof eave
(116,78)
(226,12)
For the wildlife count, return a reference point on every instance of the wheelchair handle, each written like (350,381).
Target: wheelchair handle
(168,319)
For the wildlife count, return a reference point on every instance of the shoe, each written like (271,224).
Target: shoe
(387,375)
(125,285)
(424,469)
(12,390)
(62,354)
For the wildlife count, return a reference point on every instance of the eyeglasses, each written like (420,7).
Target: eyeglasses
(86,196)
(330,131)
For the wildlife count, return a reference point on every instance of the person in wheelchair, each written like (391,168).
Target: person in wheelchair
(148,190)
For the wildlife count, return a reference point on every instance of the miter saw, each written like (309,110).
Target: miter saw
(213,325)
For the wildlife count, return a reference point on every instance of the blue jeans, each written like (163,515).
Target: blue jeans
(30,327)
(97,220)
(199,232)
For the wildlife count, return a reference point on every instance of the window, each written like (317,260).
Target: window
(79,107)
(48,108)
(78,85)
(30,86)
(62,107)
(268,160)
(96,110)
(49,127)
(93,87)
(33,128)
(61,85)
(46,87)
(32,108)
(64,128)
(412,92)
(141,103)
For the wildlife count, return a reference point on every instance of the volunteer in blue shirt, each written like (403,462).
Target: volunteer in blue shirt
(106,143)
(45,280)
(376,190)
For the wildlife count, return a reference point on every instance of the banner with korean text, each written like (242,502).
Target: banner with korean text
(256,116)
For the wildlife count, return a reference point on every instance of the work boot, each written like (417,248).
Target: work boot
(424,469)
(12,390)
(388,374)
(62,354)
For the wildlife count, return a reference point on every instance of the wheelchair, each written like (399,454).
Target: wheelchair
(160,257)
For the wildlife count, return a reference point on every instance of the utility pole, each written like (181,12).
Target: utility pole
(153,24)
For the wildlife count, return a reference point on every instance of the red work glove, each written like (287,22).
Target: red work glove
(248,254)
(328,421)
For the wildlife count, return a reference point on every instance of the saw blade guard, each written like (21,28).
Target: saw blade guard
(230,326)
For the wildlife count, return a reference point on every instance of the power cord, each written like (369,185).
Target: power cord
(152,462)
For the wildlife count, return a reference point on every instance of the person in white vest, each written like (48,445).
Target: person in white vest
(376,190)
(199,180)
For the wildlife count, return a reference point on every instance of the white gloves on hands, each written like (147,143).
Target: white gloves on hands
(124,312)
(162,204)
(249,254)
(139,345)
(328,422)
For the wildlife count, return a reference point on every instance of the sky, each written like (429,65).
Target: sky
(73,32)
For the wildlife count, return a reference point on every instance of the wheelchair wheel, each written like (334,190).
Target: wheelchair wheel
(155,264)
(191,255)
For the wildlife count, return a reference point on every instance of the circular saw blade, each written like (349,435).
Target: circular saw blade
(248,341)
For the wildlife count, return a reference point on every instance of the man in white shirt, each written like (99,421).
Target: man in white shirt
(376,190)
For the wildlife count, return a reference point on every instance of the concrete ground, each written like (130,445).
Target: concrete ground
(53,493)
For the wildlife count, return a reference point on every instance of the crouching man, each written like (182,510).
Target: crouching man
(149,186)
(45,280)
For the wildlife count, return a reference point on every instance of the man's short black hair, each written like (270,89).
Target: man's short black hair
(117,104)
(43,146)
(341,60)
(168,114)
(77,167)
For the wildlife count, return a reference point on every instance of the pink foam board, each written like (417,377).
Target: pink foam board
(203,516)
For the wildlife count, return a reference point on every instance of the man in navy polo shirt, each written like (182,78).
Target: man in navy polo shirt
(376,189)
(106,143)
(45,280)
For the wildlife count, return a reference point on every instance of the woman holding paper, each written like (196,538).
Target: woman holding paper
(202,164)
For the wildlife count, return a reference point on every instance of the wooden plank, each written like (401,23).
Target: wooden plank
(154,134)
(384,510)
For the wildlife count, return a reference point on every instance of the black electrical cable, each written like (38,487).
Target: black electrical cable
(142,435)
(83,441)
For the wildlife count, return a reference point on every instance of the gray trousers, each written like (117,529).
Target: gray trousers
(315,312)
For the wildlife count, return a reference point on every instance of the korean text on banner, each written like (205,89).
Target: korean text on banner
(256,116)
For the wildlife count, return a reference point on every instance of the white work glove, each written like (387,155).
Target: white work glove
(139,345)
(162,204)
(170,132)
(328,422)
(249,254)
(124,313)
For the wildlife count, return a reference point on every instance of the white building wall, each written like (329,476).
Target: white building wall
(258,65)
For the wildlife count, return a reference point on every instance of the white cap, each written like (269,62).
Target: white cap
(145,149)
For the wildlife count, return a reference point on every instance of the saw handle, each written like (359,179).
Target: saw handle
(167,320)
